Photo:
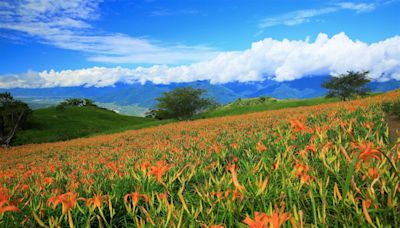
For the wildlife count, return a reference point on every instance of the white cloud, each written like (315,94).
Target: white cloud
(162,12)
(295,17)
(283,60)
(66,24)
(360,8)
(303,16)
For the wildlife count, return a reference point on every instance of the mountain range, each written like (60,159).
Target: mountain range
(144,96)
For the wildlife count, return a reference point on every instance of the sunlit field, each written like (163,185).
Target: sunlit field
(325,165)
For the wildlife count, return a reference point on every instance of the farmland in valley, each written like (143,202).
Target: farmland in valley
(327,165)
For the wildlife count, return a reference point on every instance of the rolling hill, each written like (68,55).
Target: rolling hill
(51,124)
(250,105)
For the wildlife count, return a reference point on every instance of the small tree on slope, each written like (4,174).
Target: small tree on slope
(182,103)
(347,85)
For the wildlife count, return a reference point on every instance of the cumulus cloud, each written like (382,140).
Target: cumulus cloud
(67,25)
(280,60)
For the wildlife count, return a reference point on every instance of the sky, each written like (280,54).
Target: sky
(52,43)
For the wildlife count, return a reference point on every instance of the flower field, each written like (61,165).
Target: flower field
(324,165)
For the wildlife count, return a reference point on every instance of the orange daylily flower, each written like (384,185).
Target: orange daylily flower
(277,219)
(261,220)
(144,166)
(369,125)
(216,149)
(113,166)
(97,200)
(373,172)
(23,187)
(159,170)
(68,201)
(301,169)
(261,147)
(367,151)
(136,198)
(9,207)
(302,172)
(297,126)
(162,196)
(232,168)
(303,153)
(28,174)
(73,185)
(235,146)
(48,180)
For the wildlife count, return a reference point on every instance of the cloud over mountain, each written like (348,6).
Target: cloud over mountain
(279,60)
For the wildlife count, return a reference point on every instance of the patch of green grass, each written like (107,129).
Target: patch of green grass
(51,124)
(234,109)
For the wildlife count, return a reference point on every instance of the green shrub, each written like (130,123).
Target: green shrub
(392,108)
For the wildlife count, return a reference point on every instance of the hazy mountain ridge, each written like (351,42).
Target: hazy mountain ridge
(144,96)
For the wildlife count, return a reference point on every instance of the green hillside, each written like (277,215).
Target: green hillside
(258,104)
(51,124)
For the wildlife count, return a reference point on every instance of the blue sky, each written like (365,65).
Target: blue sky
(38,36)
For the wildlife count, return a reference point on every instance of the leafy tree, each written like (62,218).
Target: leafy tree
(182,103)
(347,85)
(13,114)
(76,102)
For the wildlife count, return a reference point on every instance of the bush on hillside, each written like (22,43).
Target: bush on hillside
(253,101)
(392,108)
(76,102)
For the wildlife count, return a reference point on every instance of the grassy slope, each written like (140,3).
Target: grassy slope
(269,105)
(50,125)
